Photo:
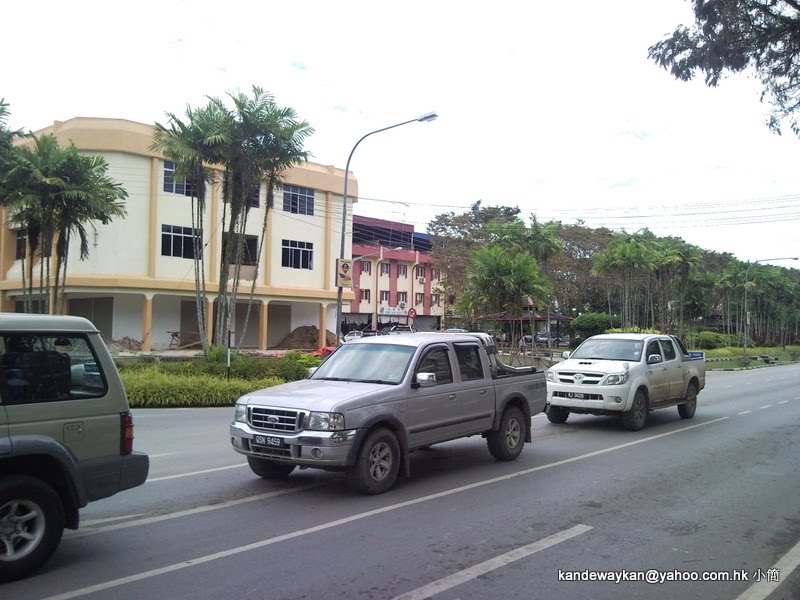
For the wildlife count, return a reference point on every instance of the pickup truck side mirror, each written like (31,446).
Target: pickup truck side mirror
(653,359)
(566,354)
(425,380)
(311,371)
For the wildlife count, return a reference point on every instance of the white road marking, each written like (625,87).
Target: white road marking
(345,520)
(162,454)
(783,402)
(166,477)
(785,566)
(91,522)
(451,581)
(185,513)
(765,406)
(745,412)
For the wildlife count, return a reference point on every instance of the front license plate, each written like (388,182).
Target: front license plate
(576,395)
(268,440)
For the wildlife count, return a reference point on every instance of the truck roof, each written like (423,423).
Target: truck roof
(418,339)
(33,322)
(628,336)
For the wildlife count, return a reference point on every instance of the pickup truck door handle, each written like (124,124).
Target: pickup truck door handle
(452,396)
(483,391)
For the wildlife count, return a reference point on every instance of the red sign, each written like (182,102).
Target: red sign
(412,312)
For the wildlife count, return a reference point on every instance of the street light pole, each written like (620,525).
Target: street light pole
(746,312)
(423,118)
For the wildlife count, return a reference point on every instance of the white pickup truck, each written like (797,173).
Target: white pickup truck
(627,375)
(377,399)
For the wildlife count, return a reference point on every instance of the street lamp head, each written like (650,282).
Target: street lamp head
(431,116)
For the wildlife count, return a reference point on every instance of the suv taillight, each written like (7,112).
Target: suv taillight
(126,433)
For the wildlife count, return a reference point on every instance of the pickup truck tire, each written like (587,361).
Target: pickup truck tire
(377,463)
(31,525)
(506,443)
(634,419)
(557,414)
(686,410)
(269,469)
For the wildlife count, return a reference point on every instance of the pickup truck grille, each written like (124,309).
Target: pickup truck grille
(579,378)
(276,419)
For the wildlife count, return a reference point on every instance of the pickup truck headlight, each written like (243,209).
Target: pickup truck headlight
(240,414)
(549,376)
(616,378)
(323,421)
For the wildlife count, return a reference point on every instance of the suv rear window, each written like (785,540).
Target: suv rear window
(37,367)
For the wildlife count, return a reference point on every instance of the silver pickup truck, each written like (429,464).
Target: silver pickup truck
(376,400)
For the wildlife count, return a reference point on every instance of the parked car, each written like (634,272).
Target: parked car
(353,335)
(370,332)
(402,329)
(543,338)
(66,434)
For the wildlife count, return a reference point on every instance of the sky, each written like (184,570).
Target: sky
(552,107)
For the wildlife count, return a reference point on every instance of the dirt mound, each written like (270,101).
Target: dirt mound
(306,338)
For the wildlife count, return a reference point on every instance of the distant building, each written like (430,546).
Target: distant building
(138,281)
(396,280)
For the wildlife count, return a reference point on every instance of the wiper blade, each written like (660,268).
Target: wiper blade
(334,379)
(381,381)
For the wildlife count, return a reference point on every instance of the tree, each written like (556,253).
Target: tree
(52,193)
(455,236)
(730,36)
(501,281)
(254,142)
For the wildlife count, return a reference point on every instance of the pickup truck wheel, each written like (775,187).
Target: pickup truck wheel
(269,469)
(557,414)
(377,464)
(634,419)
(686,410)
(506,443)
(31,525)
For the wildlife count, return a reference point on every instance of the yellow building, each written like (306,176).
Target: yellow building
(138,281)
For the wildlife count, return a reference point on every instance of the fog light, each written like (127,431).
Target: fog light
(316,453)
(617,399)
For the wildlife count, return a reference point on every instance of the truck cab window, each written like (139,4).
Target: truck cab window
(438,362)
(669,350)
(469,361)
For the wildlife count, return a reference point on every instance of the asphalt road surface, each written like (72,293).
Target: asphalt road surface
(715,497)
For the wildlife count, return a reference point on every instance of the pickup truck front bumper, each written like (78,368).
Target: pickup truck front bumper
(589,398)
(318,449)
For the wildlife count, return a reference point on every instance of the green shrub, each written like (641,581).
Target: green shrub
(710,340)
(589,324)
(152,388)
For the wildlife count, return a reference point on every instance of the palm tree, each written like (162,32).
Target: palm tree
(51,193)
(191,145)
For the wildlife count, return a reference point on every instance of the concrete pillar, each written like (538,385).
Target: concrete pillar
(147,323)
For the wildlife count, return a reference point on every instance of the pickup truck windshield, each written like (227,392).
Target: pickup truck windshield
(609,349)
(373,363)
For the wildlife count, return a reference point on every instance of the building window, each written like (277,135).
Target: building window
(254,197)
(177,241)
(402,270)
(402,297)
(249,251)
(384,295)
(365,295)
(298,200)
(419,298)
(420,272)
(22,244)
(435,299)
(386,268)
(297,255)
(366,267)
(173,185)
(434,273)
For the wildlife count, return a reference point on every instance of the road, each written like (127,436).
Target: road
(688,498)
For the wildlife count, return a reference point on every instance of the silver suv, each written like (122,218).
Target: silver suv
(66,434)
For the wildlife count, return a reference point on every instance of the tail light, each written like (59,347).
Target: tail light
(126,433)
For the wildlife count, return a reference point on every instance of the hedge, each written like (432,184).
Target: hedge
(152,388)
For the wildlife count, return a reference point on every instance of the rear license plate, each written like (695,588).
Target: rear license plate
(576,395)
(268,440)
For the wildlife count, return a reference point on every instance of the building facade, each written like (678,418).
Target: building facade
(395,279)
(138,281)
